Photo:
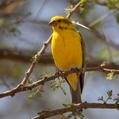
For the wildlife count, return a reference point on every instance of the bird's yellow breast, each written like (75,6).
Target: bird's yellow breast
(66,49)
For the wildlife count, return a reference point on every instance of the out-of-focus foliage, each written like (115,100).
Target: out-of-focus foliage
(113,3)
(117,17)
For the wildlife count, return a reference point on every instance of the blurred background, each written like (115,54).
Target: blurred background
(24,28)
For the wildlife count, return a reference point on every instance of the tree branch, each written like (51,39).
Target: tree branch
(20,87)
(75,108)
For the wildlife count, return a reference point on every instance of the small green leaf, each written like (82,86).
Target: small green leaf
(75,116)
(70,116)
(58,85)
(2,22)
(100,98)
(63,90)
(36,92)
(82,1)
(30,81)
(30,95)
(117,103)
(117,18)
(67,105)
(118,94)
(110,76)
(109,93)
(86,8)
(82,115)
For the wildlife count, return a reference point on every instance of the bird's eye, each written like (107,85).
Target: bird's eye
(59,20)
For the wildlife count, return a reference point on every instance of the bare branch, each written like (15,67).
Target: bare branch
(75,108)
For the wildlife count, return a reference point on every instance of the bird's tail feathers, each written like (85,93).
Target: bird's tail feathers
(76,86)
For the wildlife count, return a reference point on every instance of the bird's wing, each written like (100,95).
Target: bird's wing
(84,63)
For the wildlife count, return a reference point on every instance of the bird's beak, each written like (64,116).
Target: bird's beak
(51,23)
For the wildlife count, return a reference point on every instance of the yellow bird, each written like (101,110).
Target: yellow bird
(67,48)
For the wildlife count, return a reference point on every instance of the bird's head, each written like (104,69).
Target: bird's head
(61,23)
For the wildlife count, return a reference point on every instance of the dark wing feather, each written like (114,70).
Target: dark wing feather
(76,95)
(83,65)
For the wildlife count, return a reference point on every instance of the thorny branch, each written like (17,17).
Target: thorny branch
(74,108)
(21,88)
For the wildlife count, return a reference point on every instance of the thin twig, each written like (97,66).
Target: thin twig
(71,11)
